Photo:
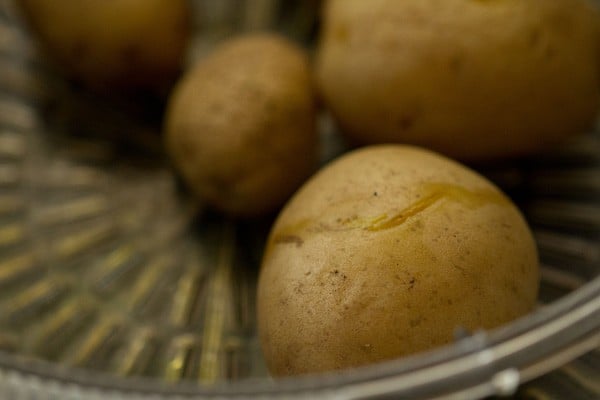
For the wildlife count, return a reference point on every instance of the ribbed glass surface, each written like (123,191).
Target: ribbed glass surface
(107,268)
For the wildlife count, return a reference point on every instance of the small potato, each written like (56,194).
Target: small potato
(386,252)
(475,80)
(117,43)
(241,125)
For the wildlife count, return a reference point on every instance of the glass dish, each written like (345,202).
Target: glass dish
(114,285)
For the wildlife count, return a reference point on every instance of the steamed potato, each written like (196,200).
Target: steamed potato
(472,79)
(241,125)
(118,43)
(386,252)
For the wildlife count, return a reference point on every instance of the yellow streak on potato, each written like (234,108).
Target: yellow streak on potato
(434,193)
(438,192)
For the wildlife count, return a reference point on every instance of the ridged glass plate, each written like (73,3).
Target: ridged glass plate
(106,266)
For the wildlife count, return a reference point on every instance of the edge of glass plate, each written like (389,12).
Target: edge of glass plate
(483,364)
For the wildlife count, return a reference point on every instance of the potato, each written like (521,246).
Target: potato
(241,125)
(107,44)
(475,80)
(386,252)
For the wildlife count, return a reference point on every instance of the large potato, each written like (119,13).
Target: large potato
(472,79)
(117,43)
(241,125)
(386,252)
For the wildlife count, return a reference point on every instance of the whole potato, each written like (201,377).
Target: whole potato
(118,43)
(472,79)
(386,252)
(241,125)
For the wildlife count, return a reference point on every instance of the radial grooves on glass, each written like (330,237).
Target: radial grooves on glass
(573,216)
(187,294)
(14,267)
(178,359)
(115,270)
(16,115)
(12,146)
(557,386)
(146,282)
(12,234)
(579,182)
(577,255)
(26,306)
(58,329)
(71,211)
(72,178)
(11,204)
(67,246)
(18,81)
(10,175)
(584,373)
(566,218)
(218,312)
(135,354)
(89,350)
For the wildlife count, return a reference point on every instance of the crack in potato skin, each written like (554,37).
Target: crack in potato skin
(434,193)
(437,193)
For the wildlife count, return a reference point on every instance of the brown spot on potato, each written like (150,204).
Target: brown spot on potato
(299,289)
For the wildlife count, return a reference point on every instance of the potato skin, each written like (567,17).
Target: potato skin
(113,44)
(384,253)
(475,80)
(241,126)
